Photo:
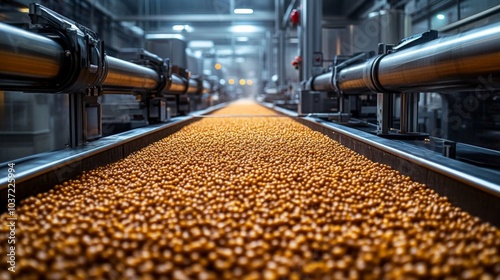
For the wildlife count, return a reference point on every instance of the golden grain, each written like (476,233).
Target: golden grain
(249,198)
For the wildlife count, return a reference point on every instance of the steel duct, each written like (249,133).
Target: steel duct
(463,62)
(129,76)
(193,86)
(178,85)
(25,54)
(206,87)
(31,61)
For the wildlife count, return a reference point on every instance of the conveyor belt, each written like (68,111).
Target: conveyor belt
(253,196)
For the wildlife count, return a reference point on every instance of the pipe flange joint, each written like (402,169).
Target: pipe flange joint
(84,67)
(370,75)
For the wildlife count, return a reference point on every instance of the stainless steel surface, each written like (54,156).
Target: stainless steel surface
(207,87)
(464,62)
(193,86)
(25,54)
(126,75)
(310,17)
(447,64)
(403,128)
(351,80)
(323,82)
(178,84)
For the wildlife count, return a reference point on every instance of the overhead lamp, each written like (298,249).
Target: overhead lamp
(182,27)
(243,11)
(159,36)
(245,28)
(440,16)
(201,44)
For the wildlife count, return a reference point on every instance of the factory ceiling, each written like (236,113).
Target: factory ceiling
(215,20)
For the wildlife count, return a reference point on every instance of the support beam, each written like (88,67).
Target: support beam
(257,16)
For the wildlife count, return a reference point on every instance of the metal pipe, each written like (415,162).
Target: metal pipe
(25,54)
(311,18)
(127,75)
(323,82)
(178,84)
(193,86)
(403,122)
(207,87)
(463,62)
(445,64)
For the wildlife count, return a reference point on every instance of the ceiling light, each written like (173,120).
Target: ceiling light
(164,36)
(440,16)
(245,28)
(185,27)
(178,27)
(201,44)
(244,11)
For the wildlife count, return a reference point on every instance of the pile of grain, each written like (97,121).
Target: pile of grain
(248,198)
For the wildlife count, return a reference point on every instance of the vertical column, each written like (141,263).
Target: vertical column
(269,58)
(384,112)
(280,35)
(311,23)
(76,122)
(409,112)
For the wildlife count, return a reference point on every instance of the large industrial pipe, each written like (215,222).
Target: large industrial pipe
(461,62)
(25,54)
(178,84)
(207,87)
(30,61)
(128,76)
(193,86)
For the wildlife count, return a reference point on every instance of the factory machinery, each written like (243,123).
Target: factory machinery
(57,55)
(70,58)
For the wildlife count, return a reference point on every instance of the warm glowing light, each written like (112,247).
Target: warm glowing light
(230,81)
(249,82)
(24,10)
(217,66)
(242,82)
